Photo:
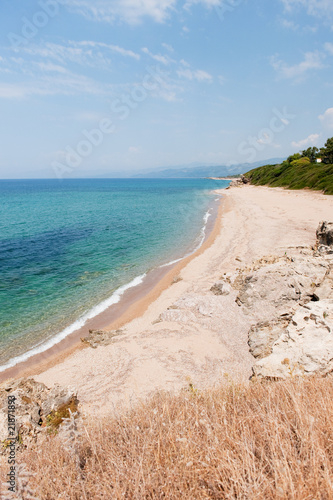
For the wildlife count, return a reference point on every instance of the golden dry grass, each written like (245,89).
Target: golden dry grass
(271,440)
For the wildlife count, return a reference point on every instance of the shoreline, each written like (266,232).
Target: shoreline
(132,304)
(184,333)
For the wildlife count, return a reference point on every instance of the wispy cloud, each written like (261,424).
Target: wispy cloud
(311,140)
(206,3)
(198,75)
(327,119)
(157,57)
(168,47)
(133,11)
(84,53)
(113,48)
(312,61)
(291,25)
(129,11)
(329,48)
(317,8)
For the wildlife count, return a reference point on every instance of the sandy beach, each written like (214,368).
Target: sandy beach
(180,332)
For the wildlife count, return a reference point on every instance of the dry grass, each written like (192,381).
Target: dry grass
(271,440)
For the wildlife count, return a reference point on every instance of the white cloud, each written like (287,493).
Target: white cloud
(84,53)
(112,48)
(327,119)
(329,48)
(198,75)
(168,47)
(46,84)
(206,3)
(130,11)
(157,57)
(49,67)
(12,92)
(289,25)
(133,11)
(315,8)
(312,61)
(311,140)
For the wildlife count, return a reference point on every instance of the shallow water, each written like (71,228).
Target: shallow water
(69,249)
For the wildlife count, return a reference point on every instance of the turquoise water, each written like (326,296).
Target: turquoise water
(67,247)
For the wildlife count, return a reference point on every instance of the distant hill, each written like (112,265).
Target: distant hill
(197,171)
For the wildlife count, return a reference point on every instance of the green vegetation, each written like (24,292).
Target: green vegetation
(299,171)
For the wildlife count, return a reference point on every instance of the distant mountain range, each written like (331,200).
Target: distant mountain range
(196,171)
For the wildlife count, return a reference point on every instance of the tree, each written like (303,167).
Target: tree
(294,157)
(327,151)
(310,153)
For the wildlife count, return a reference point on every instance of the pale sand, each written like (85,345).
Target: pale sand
(203,339)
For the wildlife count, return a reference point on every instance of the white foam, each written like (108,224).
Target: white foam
(202,239)
(114,299)
(43,346)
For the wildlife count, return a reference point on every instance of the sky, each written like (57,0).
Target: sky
(91,87)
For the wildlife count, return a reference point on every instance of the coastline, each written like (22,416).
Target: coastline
(182,332)
(133,303)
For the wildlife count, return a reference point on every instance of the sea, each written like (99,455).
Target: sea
(70,249)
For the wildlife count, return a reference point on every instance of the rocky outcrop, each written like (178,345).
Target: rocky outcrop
(239,182)
(294,299)
(304,347)
(276,289)
(98,338)
(37,409)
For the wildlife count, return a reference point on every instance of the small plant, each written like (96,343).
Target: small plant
(55,418)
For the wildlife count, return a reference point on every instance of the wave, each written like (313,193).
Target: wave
(102,306)
(202,237)
(95,311)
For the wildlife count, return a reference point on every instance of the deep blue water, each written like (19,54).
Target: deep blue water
(67,246)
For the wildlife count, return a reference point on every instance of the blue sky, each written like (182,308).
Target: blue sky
(89,87)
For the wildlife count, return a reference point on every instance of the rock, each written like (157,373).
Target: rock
(263,335)
(100,337)
(239,182)
(221,288)
(305,346)
(57,397)
(35,407)
(325,233)
(277,288)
